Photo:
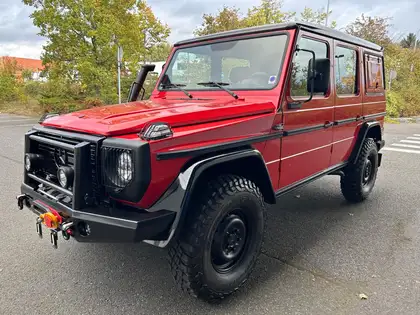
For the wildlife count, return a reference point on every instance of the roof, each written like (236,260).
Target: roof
(311,27)
(25,63)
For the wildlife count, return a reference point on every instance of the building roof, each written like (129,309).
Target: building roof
(25,63)
(311,27)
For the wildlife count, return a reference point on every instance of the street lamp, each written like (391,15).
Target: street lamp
(328,12)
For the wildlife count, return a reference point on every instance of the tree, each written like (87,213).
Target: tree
(27,75)
(268,12)
(316,16)
(374,29)
(226,19)
(83,36)
(409,41)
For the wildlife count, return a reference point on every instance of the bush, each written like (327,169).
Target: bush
(394,104)
(9,90)
(34,88)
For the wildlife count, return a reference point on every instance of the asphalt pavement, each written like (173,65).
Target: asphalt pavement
(320,252)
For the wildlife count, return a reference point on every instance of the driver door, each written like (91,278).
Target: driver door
(306,148)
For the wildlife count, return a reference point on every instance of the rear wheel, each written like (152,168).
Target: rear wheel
(359,178)
(221,240)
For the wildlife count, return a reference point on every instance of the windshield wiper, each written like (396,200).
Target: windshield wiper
(220,85)
(179,87)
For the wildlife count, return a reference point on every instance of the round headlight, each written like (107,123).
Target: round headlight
(27,163)
(62,178)
(65,176)
(125,168)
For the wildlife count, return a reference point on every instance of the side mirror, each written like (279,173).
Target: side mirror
(318,75)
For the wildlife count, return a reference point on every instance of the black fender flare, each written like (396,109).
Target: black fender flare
(178,196)
(363,132)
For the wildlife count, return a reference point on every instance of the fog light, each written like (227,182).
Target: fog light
(32,161)
(65,176)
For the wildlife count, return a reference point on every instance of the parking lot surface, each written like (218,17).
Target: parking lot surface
(320,252)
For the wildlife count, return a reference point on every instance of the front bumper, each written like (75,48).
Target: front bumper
(104,224)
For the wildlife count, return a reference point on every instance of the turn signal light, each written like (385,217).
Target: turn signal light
(156,131)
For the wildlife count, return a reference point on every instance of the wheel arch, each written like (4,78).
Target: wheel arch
(370,129)
(248,163)
(185,190)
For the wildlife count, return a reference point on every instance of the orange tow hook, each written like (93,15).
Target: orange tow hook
(51,219)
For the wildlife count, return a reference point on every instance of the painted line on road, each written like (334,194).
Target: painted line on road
(413,138)
(401,150)
(12,126)
(410,141)
(16,120)
(406,145)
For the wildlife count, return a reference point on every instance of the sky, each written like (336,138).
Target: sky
(18,36)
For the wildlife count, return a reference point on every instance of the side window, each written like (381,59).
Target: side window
(374,74)
(298,82)
(345,71)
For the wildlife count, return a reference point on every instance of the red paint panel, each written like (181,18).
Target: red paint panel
(304,165)
(342,150)
(373,107)
(346,107)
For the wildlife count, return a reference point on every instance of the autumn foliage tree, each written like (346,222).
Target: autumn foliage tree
(374,29)
(267,12)
(82,38)
(403,95)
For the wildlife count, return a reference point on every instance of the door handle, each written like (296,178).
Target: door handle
(328,124)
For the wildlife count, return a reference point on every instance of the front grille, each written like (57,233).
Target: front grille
(118,167)
(57,149)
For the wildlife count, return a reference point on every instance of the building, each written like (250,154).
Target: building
(159,66)
(19,65)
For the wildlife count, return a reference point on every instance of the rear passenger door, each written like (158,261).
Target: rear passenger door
(306,148)
(348,100)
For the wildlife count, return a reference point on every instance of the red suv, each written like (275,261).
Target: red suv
(236,120)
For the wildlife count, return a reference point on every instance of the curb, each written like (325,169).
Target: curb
(405,120)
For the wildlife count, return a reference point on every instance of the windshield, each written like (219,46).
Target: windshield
(241,64)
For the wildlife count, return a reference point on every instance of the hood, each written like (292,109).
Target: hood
(131,117)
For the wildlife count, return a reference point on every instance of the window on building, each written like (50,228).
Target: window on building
(299,81)
(345,71)
(374,74)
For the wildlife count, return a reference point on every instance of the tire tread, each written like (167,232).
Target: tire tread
(185,254)
(350,183)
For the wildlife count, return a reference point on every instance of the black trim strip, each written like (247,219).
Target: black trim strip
(304,130)
(309,179)
(344,121)
(217,147)
(248,141)
(374,115)
(318,29)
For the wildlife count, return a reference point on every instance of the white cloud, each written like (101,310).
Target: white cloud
(18,36)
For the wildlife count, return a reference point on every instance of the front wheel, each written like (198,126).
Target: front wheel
(221,240)
(359,178)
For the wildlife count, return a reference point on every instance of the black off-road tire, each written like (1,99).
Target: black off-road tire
(191,257)
(355,184)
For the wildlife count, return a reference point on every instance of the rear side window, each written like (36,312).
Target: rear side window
(374,74)
(345,71)
(301,59)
